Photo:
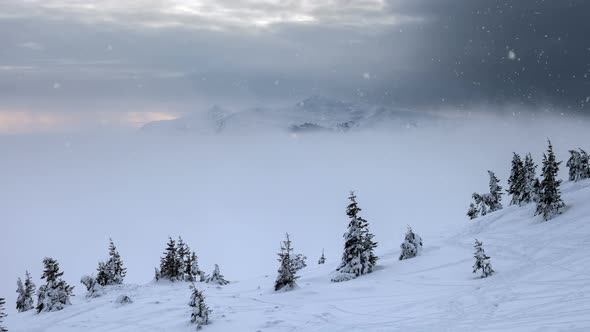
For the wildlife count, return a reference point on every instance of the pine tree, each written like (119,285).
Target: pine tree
(116,271)
(482,261)
(529,190)
(55,294)
(30,289)
(584,165)
(199,310)
(550,203)
(516,181)
(287,276)
(472,212)
(579,169)
(182,254)
(2,315)
(103,276)
(358,257)
(495,196)
(412,245)
(574,164)
(216,277)
(169,263)
(24,301)
(192,271)
(322,259)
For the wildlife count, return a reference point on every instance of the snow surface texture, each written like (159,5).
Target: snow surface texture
(542,283)
(233,198)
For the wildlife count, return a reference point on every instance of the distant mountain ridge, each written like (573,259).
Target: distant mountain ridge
(314,114)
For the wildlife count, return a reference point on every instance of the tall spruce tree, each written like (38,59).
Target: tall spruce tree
(192,270)
(584,165)
(287,273)
(529,189)
(412,245)
(550,203)
(358,257)
(116,270)
(103,277)
(482,261)
(169,263)
(216,277)
(495,196)
(516,181)
(55,294)
(2,315)
(24,301)
(183,253)
(199,310)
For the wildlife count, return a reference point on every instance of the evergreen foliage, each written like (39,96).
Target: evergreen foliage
(24,301)
(199,310)
(530,189)
(550,203)
(92,286)
(482,261)
(578,165)
(516,181)
(169,265)
(2,315)
(287,273)
(216,277)
(489,202)
(412,245)
(358,257)
(322,259)
(55,294)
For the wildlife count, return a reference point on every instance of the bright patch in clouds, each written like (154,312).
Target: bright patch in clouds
(216,14)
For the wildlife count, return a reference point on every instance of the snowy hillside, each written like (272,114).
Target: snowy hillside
(313,114)
(541,283)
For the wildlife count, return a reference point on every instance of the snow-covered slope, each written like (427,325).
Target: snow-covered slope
(316,113)
(542,284)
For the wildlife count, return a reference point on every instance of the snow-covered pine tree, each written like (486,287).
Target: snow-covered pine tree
(495,197)
(20,299)
(92,286)
(472,212)
(182,254)
(287,273)
(516,181)
(157,274)
(192,270)
(24,301)
(550,203)
(584,165)
(412,245)
(55,294)
(216,277)
(358,257)
(322,259)
(482,261)
(116,271)
(199,310)
(103,275)
(2,315)
(30,289)
(574,165)
(169,263)
(529,192)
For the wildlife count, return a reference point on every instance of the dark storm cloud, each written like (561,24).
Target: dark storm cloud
(414,53)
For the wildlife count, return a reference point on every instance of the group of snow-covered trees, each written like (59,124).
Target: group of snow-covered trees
(524,187)
(179,263)
(579,165)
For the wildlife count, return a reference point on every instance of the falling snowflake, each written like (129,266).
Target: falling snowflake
(511,55)
(56,85)
(367,75)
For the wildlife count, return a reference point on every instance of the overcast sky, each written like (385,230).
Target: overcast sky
(166,56)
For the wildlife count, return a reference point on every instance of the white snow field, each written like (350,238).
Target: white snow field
(233,197)
(542,283)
